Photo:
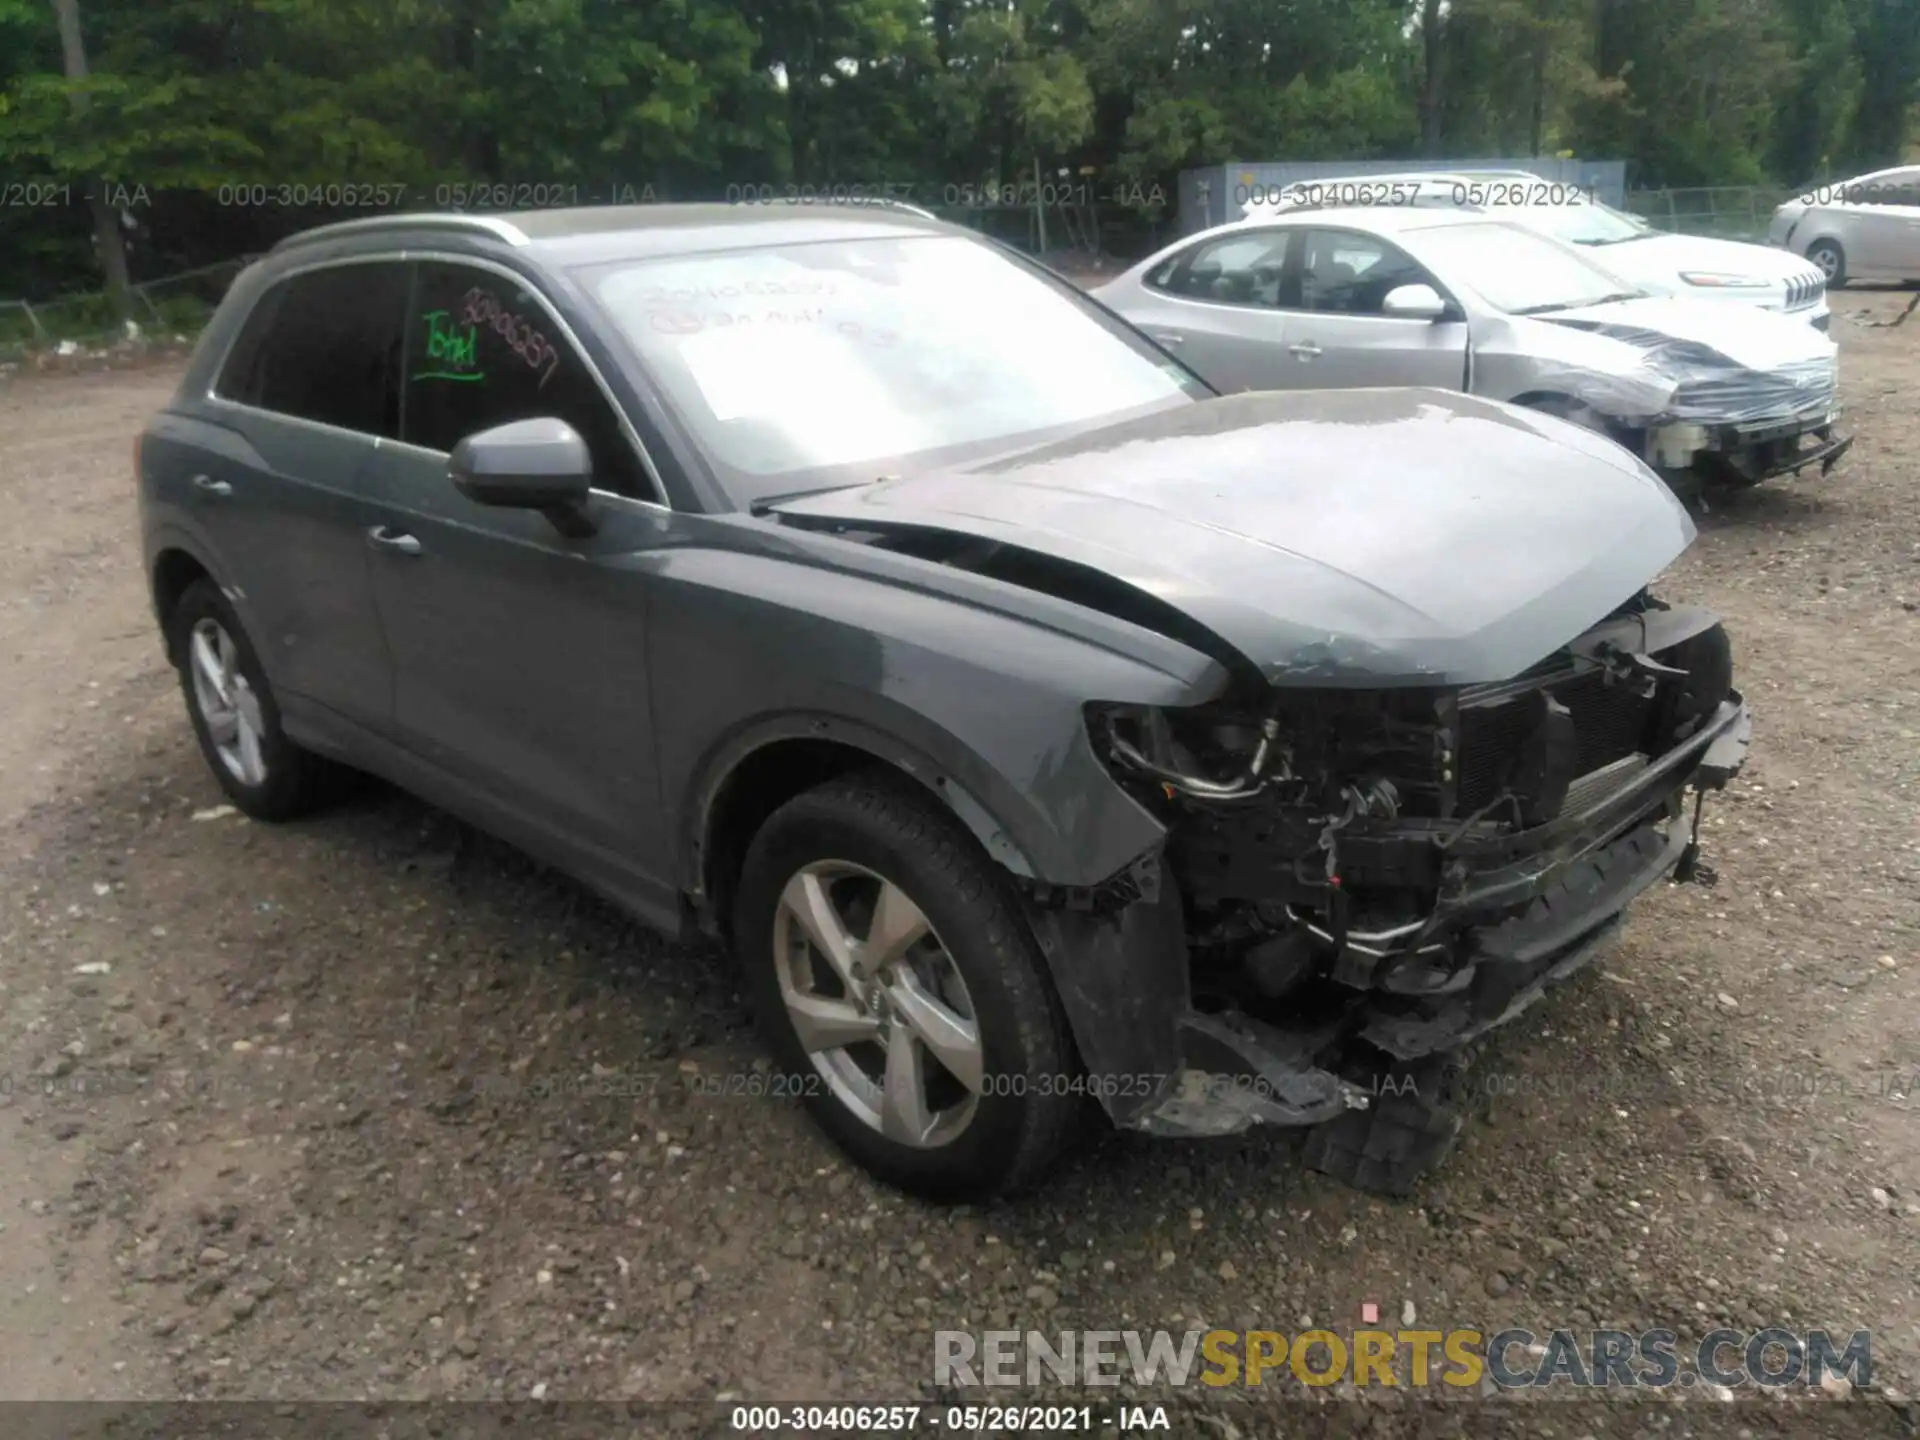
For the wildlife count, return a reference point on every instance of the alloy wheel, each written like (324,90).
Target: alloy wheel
(878,1003)
(227,702)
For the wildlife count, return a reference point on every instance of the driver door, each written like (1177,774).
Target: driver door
(520,655)
(1339,334)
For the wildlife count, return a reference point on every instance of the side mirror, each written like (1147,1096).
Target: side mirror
(1414,302)
(538,464)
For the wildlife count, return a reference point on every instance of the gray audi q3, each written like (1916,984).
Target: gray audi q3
(1043,732)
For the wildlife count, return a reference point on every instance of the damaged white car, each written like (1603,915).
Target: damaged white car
(1710,396)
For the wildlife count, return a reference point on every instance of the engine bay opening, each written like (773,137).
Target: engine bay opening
(1327,840)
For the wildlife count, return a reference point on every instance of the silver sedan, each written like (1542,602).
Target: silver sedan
(1701,267)
(1333,299)
(1866,228)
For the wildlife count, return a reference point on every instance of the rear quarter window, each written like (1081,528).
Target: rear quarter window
(324,346)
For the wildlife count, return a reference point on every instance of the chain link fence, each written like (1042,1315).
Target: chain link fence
(1078,240)
(164,308)
(1731,212)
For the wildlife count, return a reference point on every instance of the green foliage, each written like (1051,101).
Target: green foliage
(1887,45)
(694,97)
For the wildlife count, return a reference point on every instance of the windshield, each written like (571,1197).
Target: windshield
(835,362)
(1586,222)
(1515,270)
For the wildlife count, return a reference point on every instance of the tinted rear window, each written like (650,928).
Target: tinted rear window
(325,346)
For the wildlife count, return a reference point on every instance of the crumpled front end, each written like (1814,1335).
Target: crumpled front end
(1362,880)
(1688,407)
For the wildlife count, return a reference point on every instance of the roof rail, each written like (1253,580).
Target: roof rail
(433,220)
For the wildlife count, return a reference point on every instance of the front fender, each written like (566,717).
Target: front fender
(984,708)
(733,751)
(1516,356)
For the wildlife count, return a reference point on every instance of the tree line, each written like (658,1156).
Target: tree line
(196,129)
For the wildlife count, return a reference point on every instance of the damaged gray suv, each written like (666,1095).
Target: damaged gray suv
(1040,730)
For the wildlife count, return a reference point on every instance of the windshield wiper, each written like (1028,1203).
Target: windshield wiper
(1578,304)
(772,502)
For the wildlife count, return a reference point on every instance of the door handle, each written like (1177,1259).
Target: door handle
(394,541)
(1165,337)
(213,489)
(1306,350)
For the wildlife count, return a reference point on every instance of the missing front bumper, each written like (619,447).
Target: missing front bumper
(1527,911)
(1748,457)
(1238,1072)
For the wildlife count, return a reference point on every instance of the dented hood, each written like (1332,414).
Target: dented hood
(1353,537)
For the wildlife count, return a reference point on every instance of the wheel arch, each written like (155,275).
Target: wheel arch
(758,769)
(1839,246)
(174,570)
(1550,401)
(1579,412)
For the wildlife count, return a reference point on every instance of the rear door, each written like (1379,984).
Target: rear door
(521,654)
(1338,333)
(308,391)
(1216,305)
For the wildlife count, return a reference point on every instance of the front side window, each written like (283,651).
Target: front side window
(482,351)
(1346,273)
(325,346)
(845,360)
(1241,269)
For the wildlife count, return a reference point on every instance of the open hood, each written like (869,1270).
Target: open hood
(1347,538)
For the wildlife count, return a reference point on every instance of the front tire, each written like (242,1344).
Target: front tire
(234,714)
(900,989)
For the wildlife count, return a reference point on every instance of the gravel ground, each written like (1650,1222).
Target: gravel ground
(372,1107)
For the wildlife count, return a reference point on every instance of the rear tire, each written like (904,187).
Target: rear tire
(1828,255)
(235,716)
(846,854)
